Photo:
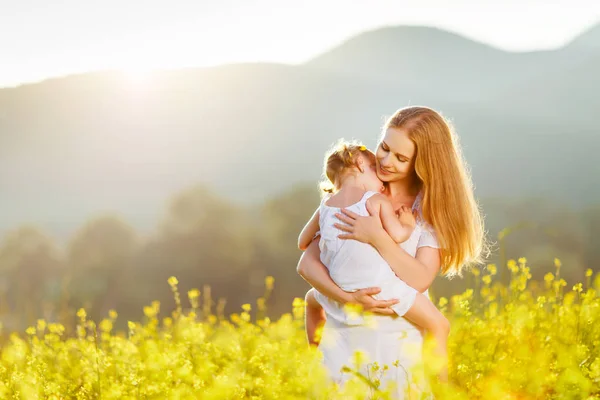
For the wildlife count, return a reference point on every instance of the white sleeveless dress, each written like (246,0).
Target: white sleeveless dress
(355,265)
(382,339)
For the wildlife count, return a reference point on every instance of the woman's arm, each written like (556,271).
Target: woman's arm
(309,231)
(418,272)
(316,274)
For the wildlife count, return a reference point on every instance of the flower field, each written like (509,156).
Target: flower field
(524,340)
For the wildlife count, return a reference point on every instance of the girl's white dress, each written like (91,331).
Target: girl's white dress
(382,339)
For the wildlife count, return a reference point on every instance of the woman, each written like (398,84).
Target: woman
(420,163)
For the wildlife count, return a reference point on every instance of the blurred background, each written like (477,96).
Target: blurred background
(140,140)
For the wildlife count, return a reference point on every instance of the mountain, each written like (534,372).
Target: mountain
(75,146)
(587,41)
(444,64)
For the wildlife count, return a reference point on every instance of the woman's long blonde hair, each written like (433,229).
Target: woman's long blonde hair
(448,203)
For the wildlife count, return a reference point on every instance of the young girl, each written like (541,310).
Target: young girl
(353,182)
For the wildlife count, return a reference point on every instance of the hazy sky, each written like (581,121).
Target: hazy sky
(40,38)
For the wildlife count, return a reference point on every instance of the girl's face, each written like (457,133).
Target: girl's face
(395,156)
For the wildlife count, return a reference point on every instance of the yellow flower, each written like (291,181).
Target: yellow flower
(81,313)
(588,272)
(363,148)
(298,302)
(549,277)
(360,357)
(235,318)
(113,314)
(557,263)
(578,288)
(443,301)
(80,331)
(106,325)
(30,331)
(522,260)
(260,303)
(172,281)
(475,271)
(131,325)
(492,269)
(487,279)
(194,294)
(541,300)
(269,282)
(41,325)
(246,307)
(353,311)
(57,329)
(149,311)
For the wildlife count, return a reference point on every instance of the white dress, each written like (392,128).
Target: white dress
(355,265)
(382,339)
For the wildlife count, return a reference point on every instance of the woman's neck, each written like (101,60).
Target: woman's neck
(402,189)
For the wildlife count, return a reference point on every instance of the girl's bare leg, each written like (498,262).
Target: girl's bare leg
(425,314)
(315,318)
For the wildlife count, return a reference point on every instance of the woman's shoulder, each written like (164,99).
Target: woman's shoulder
(418,211)
(418,201)
(426,227)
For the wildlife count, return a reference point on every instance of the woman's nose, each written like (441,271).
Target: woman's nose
(384,161)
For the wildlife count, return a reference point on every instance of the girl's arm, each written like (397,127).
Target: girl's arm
(418,272)
(316,274)
(399,229)
(309,231)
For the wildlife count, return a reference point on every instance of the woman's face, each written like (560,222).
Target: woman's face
(395,156)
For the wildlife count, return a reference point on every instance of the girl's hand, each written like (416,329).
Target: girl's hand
(361,228)
(365,299)
(407,217)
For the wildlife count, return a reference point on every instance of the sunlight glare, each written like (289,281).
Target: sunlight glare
(137,75)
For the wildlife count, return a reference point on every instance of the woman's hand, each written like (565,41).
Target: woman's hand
(361,228)
(365,299)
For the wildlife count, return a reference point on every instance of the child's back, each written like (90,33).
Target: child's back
(352,264)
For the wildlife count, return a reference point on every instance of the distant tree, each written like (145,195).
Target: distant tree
(282,219)
(540,230)
(99,256)
(29,273)
(203,240)
(591,218)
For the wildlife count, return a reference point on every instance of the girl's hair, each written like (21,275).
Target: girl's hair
(448,202)
(340,159)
